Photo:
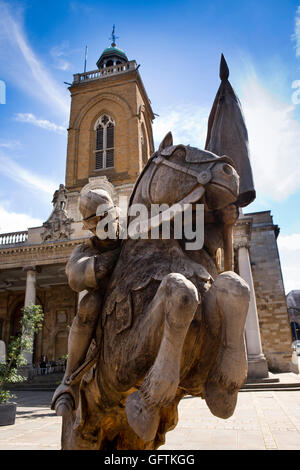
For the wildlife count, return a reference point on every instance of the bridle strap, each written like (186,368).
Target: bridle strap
(203,178)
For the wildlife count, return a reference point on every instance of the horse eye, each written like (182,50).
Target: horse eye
(227,169)
(180,153)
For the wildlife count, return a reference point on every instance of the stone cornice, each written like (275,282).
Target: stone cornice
(32,255)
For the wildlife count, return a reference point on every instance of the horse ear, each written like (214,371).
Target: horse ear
(166,142)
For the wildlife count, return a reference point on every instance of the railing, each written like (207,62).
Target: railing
(48,369)
(13,238)
(104,72)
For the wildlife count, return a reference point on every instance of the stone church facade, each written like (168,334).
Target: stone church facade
(109,141)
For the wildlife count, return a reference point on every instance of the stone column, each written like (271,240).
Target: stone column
(30,299)
(257,363)
(30,293)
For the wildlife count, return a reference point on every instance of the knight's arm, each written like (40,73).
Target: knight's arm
(86,267)
(105,263)
(80,269)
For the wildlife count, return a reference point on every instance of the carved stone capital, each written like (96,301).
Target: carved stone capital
(35,269)
(30,268)
(242,232)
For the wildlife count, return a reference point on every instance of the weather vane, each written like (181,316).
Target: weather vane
(113,37)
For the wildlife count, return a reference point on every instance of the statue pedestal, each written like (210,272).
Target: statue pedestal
(257,367)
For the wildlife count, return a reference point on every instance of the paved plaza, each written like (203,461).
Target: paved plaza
(263,420)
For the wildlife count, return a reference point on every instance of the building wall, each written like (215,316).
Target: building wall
(270,296)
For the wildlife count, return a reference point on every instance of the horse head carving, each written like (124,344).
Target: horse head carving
(178,172)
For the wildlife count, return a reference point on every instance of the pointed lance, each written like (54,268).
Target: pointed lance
(227,134)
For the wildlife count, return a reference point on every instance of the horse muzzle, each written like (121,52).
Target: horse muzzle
(223,188)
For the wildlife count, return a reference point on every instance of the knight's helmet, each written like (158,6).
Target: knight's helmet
(227,134)
(91,202)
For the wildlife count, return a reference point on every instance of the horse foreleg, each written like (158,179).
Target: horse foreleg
(229,296)
(178,297)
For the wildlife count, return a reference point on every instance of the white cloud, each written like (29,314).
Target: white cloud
(290,242)
(188,124)
(296,35)
(273,139)
(9,144)
(289,248)
(32,181)
(43,123)
(58,54)
(14,221)
(63,65)
(23,66)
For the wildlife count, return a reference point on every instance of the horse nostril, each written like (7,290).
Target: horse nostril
(227,169)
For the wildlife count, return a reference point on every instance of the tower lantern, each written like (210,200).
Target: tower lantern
(112,56)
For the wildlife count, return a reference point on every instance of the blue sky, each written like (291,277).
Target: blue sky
(178,46)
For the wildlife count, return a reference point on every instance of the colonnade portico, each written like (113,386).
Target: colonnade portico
(41,283)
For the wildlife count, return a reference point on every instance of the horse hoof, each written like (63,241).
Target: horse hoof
(142,419)
(221,402)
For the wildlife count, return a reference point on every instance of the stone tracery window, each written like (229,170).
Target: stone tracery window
(104,145)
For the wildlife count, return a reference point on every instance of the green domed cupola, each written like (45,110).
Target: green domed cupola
(112,55)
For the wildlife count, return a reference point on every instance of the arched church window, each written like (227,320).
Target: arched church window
(104,149)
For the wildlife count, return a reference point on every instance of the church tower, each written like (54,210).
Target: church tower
(110,130)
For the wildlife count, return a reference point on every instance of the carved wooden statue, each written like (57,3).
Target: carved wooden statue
(169,323)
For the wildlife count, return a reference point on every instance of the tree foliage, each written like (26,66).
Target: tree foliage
(31,322)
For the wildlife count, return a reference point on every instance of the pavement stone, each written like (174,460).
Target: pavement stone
(263,420)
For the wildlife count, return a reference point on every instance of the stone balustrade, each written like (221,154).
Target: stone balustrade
(104,72)
(13,238)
